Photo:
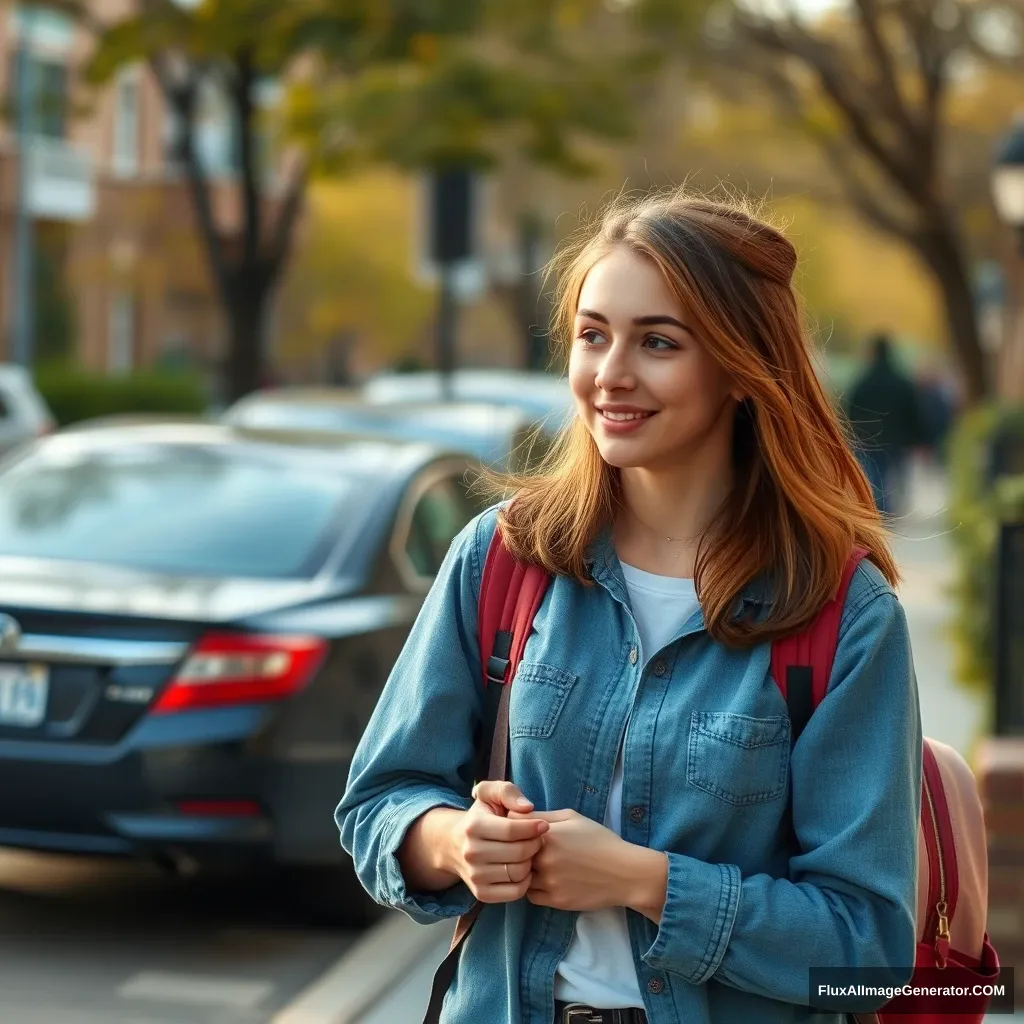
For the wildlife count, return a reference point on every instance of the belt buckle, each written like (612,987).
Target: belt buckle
(580,1014)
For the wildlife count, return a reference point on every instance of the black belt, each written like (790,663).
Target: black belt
(578,1013)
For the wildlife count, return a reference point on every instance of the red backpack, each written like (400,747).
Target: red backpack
(952,892)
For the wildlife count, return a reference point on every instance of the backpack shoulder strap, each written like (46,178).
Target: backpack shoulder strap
(802,663)
(510,594)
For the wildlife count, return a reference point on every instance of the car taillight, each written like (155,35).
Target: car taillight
(241,668)
(219,808)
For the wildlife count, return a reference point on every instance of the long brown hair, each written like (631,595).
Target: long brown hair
(800,501)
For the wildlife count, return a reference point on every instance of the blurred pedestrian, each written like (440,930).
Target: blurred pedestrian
(885,414)
(661,856)
(937,400)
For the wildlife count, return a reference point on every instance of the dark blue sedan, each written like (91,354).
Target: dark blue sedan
(195,624)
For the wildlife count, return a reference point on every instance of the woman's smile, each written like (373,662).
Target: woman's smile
(623,419)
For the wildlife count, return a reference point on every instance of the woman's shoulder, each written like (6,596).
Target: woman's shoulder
(473,540)
(870,595)
(482,526)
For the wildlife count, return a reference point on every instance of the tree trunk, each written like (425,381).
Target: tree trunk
(244,364)
(940,247)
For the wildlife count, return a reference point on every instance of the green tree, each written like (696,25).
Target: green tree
(511,89)
(409,83)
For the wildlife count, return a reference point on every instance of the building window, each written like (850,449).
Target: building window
(51,82)
(45,26)
(48,81)
(126,124)
(121,341)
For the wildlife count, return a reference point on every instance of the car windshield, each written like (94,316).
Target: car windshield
(192,510)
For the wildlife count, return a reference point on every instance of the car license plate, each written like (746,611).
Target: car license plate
(23,691)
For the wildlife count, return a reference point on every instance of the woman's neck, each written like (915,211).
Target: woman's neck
(666,514)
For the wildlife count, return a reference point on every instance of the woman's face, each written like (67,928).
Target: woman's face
(646,388)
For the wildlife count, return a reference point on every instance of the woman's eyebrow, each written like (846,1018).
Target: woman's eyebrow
(640,321)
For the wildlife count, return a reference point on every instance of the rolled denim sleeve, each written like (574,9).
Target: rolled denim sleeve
(849,900)
(417,751)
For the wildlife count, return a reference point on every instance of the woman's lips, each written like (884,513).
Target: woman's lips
(613,424)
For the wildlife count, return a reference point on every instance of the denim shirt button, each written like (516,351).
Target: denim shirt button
(636,814)
(633,656)
(660,668)
(655,986)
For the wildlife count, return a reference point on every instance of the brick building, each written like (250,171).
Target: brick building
(119,270)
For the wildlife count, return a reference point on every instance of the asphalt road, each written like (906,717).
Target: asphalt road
(109,942)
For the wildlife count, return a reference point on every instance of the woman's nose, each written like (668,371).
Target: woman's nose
(614,372)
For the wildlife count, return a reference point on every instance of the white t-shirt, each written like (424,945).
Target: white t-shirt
(598,967)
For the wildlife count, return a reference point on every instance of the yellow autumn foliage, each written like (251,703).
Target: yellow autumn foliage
(352,270)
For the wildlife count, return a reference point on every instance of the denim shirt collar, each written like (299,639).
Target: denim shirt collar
(606,569)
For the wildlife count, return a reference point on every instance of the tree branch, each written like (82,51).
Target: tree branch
(824,61)
(861,198)
(287,217)
(856,191)
(933,49)
(181,97)
(882,58)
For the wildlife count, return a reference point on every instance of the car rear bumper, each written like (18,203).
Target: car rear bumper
(151,835)
(123,799)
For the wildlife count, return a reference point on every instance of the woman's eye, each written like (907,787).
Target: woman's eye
(591,337)
(656,341)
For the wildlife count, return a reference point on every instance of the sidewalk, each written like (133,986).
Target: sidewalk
(922,547)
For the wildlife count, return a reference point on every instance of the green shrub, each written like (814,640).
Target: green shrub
(977,507)
(75,395)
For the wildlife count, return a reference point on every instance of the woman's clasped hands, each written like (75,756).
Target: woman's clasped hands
(504,850)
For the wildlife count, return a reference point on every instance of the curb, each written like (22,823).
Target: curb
(372,967)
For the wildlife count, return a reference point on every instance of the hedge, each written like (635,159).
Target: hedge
(977,506)
(75,395)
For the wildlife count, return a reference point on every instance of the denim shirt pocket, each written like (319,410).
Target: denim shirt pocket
(736,758)
(539,693)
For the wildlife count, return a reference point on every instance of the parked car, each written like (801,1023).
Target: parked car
(195,624)
(24,414)
(498,435)
(541,396)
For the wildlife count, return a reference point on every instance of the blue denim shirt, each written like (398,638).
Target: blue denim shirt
(710,777)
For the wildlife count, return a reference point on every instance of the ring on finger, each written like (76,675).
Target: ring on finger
(508,873)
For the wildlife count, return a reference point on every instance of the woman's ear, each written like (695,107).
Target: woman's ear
(737,395)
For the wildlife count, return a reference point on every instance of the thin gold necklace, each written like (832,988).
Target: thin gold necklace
(674,540)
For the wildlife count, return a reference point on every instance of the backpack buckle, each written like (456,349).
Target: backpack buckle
(501,656)
(496,669)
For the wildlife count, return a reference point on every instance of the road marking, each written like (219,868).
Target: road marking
(195,989)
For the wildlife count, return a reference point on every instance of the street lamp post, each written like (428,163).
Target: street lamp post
(24,256)
(1008,197)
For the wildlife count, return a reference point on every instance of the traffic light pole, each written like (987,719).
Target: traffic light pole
(451,241)
(447,318)
(24,256)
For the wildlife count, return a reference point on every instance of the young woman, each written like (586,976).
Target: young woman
(664,851)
